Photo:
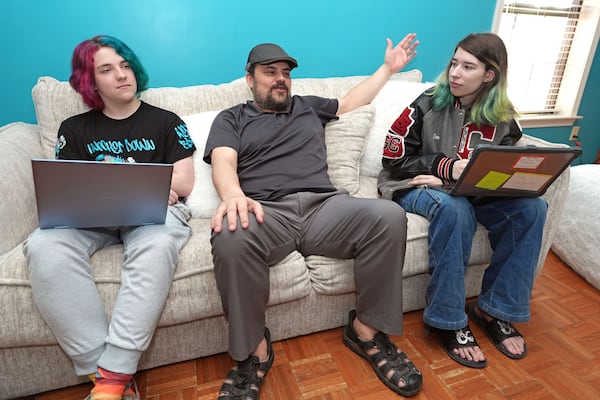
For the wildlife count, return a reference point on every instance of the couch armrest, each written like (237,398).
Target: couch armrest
(556,196)
(19,143)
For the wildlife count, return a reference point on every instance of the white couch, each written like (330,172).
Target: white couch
(307,294)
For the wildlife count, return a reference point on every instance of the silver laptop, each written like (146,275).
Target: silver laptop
(90,194)
(512,171)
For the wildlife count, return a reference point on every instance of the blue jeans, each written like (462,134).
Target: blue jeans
(514,227)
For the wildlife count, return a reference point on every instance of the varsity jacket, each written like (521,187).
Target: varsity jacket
(426,142)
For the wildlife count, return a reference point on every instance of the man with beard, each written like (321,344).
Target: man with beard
(269,168)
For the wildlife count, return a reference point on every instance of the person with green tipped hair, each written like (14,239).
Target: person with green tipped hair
(427,147)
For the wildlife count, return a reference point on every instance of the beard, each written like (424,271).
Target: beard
(269,103)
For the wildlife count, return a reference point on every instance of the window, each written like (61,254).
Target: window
(551,46)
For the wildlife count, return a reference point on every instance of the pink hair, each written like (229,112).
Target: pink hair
(82,65)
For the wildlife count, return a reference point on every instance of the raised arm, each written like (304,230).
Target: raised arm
(395,59)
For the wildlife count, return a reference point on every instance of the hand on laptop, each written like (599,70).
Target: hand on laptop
(173,197)
(458,167)
(425,180)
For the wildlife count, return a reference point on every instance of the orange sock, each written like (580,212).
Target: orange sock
(109,385)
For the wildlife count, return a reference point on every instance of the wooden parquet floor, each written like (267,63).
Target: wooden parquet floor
(563,337)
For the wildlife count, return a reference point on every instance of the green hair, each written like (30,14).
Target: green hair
(491,105)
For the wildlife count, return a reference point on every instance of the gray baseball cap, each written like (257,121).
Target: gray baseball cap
(268,53)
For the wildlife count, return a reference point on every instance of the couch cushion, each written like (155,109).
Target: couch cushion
(329,276)
(391,100)
(204,198)
(19,143)
(193,294)
(54,101)
(345,139)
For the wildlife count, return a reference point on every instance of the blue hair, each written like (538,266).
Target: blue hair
(82,65)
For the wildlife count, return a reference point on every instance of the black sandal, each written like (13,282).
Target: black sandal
(242,381)
(454,339)
(497,330)
(387,358)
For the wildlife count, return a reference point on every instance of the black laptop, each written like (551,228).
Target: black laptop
(512,171)
(90,194)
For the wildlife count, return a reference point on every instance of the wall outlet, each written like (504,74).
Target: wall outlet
(574,134)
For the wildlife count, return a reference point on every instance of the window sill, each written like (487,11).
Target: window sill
(547,121)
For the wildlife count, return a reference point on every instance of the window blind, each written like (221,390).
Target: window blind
(539,36)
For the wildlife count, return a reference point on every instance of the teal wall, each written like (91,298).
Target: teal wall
(191,42)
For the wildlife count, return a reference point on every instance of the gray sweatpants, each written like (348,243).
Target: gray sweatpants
(371,231)
(67,297)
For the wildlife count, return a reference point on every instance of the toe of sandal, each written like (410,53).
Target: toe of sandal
(497,330)
(390,365)
(243,381)
(460,338)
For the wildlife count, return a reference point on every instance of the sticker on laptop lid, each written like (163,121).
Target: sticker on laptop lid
(529,162)
(527,181)
(492,180)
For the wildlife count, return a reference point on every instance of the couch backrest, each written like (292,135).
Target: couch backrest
(54,100)
(354,143)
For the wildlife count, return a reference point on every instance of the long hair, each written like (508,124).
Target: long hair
(82,66)
(491,105)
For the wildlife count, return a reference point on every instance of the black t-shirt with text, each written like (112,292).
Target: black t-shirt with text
(150,135)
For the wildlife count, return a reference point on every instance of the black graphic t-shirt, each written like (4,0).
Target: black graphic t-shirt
(151,134)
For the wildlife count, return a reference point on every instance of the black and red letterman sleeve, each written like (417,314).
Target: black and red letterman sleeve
(403,143)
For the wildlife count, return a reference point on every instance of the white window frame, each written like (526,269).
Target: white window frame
(579,63)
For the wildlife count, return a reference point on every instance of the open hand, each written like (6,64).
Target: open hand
(397,57)
(232,208)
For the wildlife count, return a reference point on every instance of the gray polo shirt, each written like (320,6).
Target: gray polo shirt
(279,153)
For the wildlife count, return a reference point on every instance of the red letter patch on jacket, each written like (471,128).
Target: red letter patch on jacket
(394,141)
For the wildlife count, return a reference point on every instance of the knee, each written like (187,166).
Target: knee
(388,214)
(234,244)
(535,209)
(44,254)
(457,211)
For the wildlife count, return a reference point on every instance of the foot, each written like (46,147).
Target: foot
(390,365)
(461,346)
(515,345)
(130,391)
(470,353)
(245,379)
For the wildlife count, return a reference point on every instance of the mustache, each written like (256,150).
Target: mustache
(280,86)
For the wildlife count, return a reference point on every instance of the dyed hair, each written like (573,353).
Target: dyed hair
(491,105)
(82,66)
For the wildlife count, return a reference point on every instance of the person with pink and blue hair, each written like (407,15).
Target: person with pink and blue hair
(109,77)
(428,146)
(82,65)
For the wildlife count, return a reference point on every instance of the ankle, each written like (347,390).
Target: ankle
(109,385)
(482,313)
(261,351)
(363,331)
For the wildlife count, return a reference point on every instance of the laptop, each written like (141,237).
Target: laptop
(512,171)
(92,194)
